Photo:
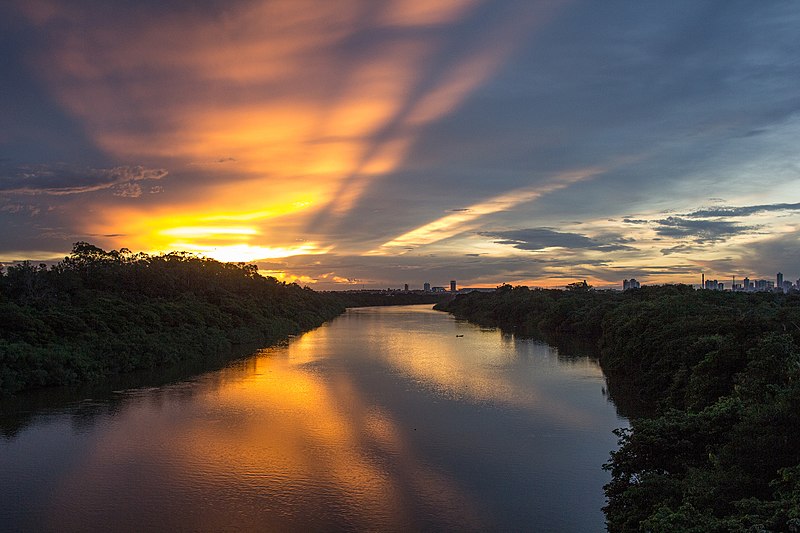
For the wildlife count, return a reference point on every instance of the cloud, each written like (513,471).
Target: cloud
(699,230)
(767,257)
(681,249)
(461,221)
(128,190)
(59,180)
(540,238)
(742,211)
(30,210)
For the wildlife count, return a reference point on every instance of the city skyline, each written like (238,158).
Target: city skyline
(381,143)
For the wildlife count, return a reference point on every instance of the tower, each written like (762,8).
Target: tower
(779,279)
(452,285)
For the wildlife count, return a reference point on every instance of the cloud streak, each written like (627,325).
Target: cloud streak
(464,220)
(742,211)
(536,239)
(61,180)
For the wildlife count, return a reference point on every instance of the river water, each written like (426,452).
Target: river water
(385,419)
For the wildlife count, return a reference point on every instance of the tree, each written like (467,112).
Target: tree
(578,286)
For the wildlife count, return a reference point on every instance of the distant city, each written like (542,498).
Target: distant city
(747,285)
(426,288)
(779,285)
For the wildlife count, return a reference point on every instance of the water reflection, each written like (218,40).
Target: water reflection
(383,419)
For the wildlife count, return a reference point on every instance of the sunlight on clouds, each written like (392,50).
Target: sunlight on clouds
(213,233)
(246,252)
(416,13)
(451,225)
(286,277)
(198,231)
(267,89)
(302,279)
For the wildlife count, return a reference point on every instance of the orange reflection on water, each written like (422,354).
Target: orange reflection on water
(472,368)
(320,431)
(277,425)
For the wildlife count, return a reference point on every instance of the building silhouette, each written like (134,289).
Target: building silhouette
(452,285)
(426,287)
(630,284)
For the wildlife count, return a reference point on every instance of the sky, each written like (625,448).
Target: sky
(371,143)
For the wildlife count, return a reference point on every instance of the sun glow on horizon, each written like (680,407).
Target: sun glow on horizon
(248,252)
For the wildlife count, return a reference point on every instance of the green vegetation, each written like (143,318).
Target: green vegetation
(99,313)
(718,446)
(369,299)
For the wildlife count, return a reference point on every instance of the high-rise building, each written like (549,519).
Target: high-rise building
(452,285)
(405,287)
(630,284)
(779,279)
(426,287)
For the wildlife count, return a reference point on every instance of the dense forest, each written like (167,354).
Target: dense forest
(98,313)
(379,298)
(717,447)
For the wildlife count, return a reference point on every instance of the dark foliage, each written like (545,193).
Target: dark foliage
(98,313)
(719,446)
(370,298)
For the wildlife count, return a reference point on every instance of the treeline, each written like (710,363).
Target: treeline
(367,299)
(719,446)
(98,313)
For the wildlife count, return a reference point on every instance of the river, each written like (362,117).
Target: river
(384,419)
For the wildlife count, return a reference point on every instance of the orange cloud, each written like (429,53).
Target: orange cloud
(278,90)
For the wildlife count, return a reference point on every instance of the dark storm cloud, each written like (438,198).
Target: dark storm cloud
(59,180)
(699,230)
(541,238)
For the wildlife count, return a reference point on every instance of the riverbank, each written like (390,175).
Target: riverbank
(99,313)
(383,419)
(720,376)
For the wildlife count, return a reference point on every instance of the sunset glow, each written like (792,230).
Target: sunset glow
(402,142)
